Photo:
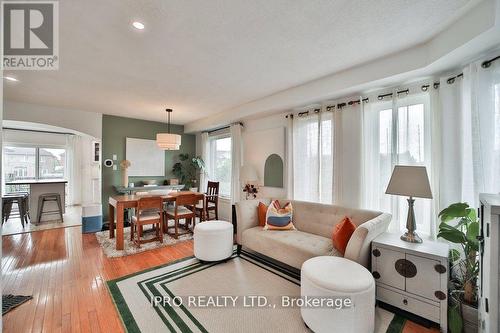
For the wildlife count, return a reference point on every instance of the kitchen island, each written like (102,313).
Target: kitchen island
(41,186)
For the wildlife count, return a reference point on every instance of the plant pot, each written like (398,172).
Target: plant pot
(193,189)
(470,318)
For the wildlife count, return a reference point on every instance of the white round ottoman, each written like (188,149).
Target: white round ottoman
(336,278)
(213,240)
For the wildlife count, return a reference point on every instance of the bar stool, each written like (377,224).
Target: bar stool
(22,201)
(49,197)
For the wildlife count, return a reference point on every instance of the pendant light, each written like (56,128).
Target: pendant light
(168,141)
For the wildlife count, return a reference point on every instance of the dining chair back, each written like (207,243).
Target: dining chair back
(212,200)
(184,208)
(149,212)
(149,204)
(212,192)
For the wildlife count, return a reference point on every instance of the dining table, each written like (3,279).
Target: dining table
(118,203)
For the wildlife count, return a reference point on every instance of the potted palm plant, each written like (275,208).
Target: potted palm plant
(459,225)
(188,170)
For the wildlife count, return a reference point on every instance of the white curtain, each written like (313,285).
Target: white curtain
(397,131)
(74,169)
(205,155)
(313,149)
(486,128)
(456,180)
(470,135)
(453,130)
(289,158)
(236,162)
(349,155)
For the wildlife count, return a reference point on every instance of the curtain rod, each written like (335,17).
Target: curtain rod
(37,131)
(488,63)
(425,87)
(223,127)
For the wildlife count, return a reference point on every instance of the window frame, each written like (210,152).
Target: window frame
(212,152)
(37,156)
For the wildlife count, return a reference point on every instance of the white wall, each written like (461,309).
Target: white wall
(89,123)
(84,175)
(258,144)
(33,138)
(262,137)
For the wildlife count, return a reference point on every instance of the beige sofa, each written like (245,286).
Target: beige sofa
(313,237)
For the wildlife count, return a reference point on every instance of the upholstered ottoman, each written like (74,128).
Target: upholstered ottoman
(213,240)
(337,279)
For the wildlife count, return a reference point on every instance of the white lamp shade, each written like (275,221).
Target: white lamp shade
(168,141)
(248,174)
(410,181)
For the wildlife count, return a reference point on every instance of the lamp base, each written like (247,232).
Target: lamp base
(411,237)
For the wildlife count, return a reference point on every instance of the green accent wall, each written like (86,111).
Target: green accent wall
(115,130)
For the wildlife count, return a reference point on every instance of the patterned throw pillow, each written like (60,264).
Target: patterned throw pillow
(279,218)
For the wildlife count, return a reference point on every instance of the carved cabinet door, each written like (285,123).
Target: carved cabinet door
(384,262)
(427,280)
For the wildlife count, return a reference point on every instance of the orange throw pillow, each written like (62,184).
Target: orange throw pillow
(342,233)
(261,212)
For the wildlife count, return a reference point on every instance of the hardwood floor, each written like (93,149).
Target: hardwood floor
(65,272)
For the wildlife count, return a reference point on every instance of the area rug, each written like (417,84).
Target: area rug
(108,245)
(10,302)
(243,294)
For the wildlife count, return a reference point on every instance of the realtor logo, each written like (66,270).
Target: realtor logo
(30,38)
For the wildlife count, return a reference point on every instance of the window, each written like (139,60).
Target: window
(313,157)
(51,163)
(402,136)
(22,163)
(19,163)
(220,163)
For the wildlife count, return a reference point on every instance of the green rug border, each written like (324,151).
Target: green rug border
(397,324)
(129,324)
(124,313)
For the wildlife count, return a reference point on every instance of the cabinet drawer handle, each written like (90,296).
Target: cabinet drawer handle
(440,269)
(405,268)
(440,295)
(405,301)
(376,252)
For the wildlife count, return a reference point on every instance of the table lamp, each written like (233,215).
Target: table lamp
(410,181)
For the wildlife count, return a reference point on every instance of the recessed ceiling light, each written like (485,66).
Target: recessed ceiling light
(10,78)
(138,25)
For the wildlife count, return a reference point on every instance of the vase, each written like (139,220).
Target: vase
(470,318)
(125,178)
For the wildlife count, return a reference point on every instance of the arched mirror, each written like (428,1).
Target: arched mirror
(273,171)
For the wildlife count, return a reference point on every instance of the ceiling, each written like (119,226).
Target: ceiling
(203,57)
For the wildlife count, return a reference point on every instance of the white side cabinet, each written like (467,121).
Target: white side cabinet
(489,263)
(412,277)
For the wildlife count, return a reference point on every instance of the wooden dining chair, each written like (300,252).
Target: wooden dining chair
(211,203)
(184,208)
(149,212)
